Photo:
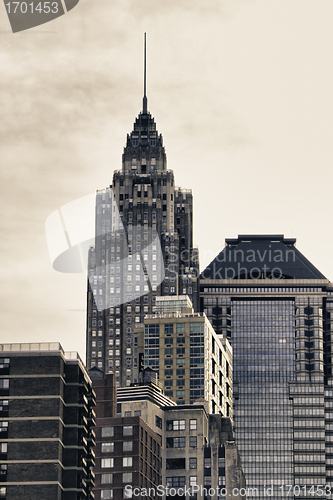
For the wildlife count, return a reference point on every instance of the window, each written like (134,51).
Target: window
(3,491)
(175,463)
(4,363)
(137,413)
(175,481)
(168,328)
(193,424)
(106,494)
(193,479)
(180,327)
(107,447)
(168,351)
(175,425)
(3,447)
(127,461)
(193,441)
(127,430)
(207,463)
(177,442)
(107,431)
(127,413)
(127,445)
(3,426)
(193,463)
(106,478)
(127,477)
(158,421)
(106,463)
(180,372)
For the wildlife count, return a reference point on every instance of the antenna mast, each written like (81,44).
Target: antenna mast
(145,78)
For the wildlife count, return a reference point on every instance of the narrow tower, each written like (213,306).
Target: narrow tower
(143,249)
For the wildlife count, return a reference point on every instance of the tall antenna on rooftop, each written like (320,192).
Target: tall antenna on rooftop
(145,77)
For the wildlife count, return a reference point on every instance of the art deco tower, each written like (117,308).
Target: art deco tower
(143,248)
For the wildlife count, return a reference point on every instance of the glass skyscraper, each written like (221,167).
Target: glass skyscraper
(276,308)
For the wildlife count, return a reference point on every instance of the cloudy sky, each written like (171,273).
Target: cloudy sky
(241,91)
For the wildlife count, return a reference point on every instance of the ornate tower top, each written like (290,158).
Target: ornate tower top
(144,151)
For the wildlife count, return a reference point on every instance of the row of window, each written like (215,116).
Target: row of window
(180,442)
(109,431)
(107,478)
(108,447)
(262,289)
(179,425)
(108,463)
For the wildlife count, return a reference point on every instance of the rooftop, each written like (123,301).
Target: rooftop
(253,256)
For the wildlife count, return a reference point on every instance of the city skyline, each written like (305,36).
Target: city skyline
(250,106)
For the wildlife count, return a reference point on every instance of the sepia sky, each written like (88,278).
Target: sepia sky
(242,91)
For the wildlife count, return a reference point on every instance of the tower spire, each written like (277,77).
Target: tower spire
(145,78)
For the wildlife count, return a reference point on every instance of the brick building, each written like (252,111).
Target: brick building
(128,451)
(46,420)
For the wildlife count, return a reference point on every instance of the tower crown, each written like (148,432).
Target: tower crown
(144,151)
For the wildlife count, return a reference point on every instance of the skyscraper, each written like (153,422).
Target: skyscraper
(192,361)
(143,248)
(276,308)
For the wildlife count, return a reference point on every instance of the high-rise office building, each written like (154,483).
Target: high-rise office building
(190,358)
(46,424)
(276,308)
(143,249)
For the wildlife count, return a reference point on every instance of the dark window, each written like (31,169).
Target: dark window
(175,463)
(175,481)
(177,442)
(158,421)
(193,441)
(168,328)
